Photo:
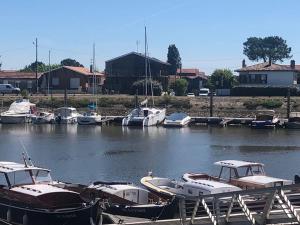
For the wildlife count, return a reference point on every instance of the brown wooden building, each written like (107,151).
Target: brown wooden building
(73,79)
(22,80)
(123,71)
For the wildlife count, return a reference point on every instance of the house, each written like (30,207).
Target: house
(71,78)
(22,80)
(121,72)
(196,79)
(271,75)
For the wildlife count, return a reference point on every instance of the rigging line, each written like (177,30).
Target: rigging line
(150,76)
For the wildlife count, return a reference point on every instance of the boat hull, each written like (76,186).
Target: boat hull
(25,215)
(152,120)
(262,124)
(86,120)
(292,125)
(14,119)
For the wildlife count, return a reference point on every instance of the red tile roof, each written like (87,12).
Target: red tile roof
(83,70)
(267,67)
(191,73)
(14,74)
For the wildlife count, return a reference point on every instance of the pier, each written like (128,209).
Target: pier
(277,205)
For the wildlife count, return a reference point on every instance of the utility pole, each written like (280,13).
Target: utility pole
(288,107)
(49,73)
(36,65)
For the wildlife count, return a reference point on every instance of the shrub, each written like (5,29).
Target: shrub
(140,87)
(179,86)
(266,103)
(24,93)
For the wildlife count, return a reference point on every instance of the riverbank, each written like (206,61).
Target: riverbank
(120,105)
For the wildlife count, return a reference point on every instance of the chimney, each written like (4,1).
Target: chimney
(244,63)
(91,68)
(293,64)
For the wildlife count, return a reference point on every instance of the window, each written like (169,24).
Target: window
(74,83)
(3,182)
(55,81)
(20,178)
(29,84)
(5,82)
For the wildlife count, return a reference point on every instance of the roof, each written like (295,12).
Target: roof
(196,72)
(6,167)
(237,163)
(261,179)
(140,55)
(268,67)
(112,189)
(82,70)
(14,74)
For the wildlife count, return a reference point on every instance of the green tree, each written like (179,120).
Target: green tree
(41,67)
(70,62)
(179,86)
(222,78)
(174,59)
(269,49)
(140,87)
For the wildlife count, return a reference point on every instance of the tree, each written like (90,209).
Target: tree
(269,49)
(179,86)
(174,59)
(222,78)
(41,67)
(70,62)
(140,85)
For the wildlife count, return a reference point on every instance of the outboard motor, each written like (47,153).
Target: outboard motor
(297,179)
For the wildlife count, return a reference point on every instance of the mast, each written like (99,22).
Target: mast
(94,77)
(146,77)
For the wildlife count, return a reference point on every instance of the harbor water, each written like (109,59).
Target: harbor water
(83,154)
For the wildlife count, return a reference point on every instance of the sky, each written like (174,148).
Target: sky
(209,34)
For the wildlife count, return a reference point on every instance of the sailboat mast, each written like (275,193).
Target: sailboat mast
(146,77)
(93,68)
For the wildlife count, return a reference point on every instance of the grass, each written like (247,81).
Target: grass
(266,103)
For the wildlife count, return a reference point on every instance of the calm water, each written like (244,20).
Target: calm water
(84,154)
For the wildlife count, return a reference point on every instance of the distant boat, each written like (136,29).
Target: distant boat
(43,118)
(19,111)
(66,115)
(265,119)
(177,120)
(129,200)
(169,188)
(89,118)
(294,121)
(145,116)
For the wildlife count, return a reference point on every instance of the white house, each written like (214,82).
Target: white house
(266,74)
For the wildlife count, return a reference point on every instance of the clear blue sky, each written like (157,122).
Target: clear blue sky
(209,34)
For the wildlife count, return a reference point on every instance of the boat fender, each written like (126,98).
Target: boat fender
(8,215)
(25,220)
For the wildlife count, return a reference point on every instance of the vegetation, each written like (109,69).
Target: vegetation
(70,62)
(180,87)
(140,87)
(269,49)
(266,103)
(174,59)
(222,78)
(41,67)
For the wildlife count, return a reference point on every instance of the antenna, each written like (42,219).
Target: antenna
(146,66)
(26,158)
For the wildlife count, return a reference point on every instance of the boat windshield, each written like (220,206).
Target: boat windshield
(25,177)
(177,116)
(228,173)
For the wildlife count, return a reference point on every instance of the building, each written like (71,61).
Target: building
(121,72)
(266,74)
(22,80)
(196,78)
(73,79)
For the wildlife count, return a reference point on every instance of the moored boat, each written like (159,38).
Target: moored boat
(177,120)
(19,111)
(171,188)
(242,174)
(66,115)
(43,118)
(89,118)
(265,119)
(28,195)
(294,121)
(130,200)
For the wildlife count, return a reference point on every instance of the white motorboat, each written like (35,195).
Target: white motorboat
(169,188)
(43,118)
(177,120)
(89,118)
(243,174)
(19,111)
(66,115)
(144,117)
(265,119)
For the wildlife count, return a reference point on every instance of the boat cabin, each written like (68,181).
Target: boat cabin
(247,175)
(65,111)
(15,174)
(264,115)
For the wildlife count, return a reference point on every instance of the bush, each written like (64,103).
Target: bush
(266,103)
(24,93)
(179,86)
(140,87)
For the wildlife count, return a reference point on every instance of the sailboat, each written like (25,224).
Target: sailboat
(91,117)
(143,115)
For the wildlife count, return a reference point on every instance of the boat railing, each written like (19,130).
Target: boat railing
(257,206)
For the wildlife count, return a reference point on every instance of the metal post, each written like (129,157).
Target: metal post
(36,65)
(288,107)
(211,104)
(49,74)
